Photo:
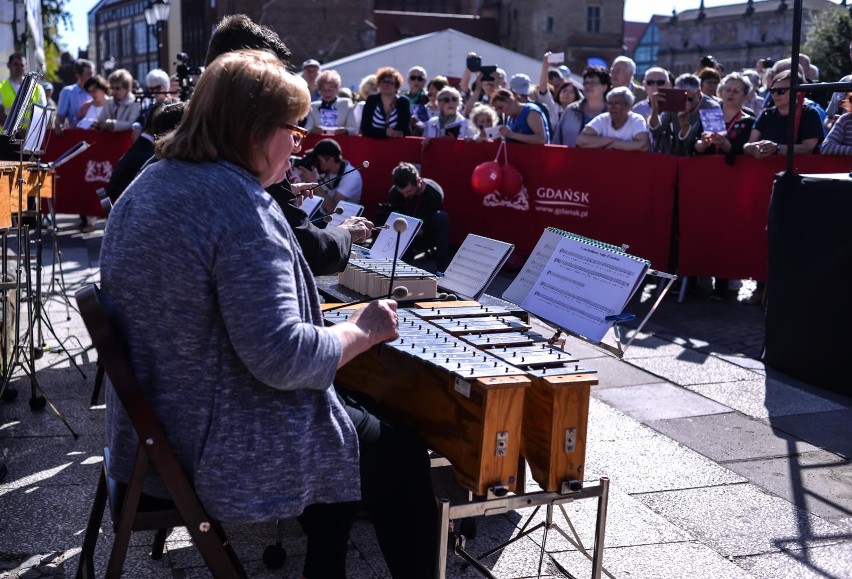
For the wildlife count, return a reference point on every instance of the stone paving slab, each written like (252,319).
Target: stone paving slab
(638,459)
(742,519)
(685,560)
(819,482)
(828,562)
(692,368)
(78,461)
(614,373)
(731,437)
(647,402)
(827,430)
(764,397)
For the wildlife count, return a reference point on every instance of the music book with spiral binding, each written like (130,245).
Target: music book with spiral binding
(578,283)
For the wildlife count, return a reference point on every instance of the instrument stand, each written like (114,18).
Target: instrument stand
(494,504)
(24,351)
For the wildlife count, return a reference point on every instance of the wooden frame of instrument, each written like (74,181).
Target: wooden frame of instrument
(477,427)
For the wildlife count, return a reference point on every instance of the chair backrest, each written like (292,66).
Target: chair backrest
(152,438)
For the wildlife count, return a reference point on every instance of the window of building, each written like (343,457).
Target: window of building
(593,19)
(141,43)
(549,25)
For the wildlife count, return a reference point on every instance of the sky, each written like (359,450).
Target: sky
(634,10)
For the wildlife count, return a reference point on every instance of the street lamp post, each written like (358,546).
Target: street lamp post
(156,13)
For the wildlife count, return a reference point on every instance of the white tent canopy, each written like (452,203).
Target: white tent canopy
(440,53)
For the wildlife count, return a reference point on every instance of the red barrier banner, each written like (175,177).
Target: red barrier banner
(616,197)
(723,211)
(78,179)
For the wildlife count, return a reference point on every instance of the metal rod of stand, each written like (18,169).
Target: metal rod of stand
(600,529)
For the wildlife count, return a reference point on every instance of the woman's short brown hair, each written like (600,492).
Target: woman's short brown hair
(388,72)
(96,81)
(251,82)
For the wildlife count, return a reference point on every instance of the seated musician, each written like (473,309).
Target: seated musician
(423,198)
(237,363)
(395,473)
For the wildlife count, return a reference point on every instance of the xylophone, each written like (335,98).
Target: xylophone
(37,182)
(482,389)
(371,277)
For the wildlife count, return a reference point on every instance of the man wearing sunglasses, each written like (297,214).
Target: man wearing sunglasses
(675,132)
(655,79)
(419,99)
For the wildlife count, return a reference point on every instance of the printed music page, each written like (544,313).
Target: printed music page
(523,283)
(385,244)
(475,265)
(581,284)
(349,210)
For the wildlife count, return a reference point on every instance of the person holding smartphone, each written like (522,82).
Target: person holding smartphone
(674,130)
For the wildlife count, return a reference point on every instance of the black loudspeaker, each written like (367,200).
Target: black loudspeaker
(808,309)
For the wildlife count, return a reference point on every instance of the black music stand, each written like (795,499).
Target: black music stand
(24,350)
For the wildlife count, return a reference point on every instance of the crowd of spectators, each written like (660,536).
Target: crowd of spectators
(749,108)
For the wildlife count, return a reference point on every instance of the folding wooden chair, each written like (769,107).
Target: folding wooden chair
(130,509)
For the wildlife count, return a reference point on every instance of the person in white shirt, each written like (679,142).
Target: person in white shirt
(330,171)
(618,128)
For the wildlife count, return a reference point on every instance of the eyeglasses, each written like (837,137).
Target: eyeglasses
(388,81)
(155,88)
(652,82)
(448,100)
(416,77)
(298,133)
(616,103)
(778,91)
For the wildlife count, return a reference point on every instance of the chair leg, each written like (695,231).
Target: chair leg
(159,544)
(86,564)
(99,381)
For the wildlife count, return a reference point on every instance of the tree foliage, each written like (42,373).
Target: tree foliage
(53,13)
(828,43)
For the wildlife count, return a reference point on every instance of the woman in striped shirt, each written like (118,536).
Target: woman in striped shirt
(387,114)
(839,139)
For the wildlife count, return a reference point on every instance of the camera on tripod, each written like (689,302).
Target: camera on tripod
(185,73)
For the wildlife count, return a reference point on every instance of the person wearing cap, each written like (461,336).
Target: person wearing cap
(331,166)
(523,90)
(48,94)
(310,72)
(523,122)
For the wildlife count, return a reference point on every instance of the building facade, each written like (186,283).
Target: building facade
(736,35)
(588,31)
(120,37)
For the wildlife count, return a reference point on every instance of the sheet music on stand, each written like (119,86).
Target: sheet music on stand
(310,205)
(385,244)
(40,121)
(582,286)
(349,210)
(475,265)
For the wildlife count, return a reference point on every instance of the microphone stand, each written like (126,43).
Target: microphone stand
(399,225)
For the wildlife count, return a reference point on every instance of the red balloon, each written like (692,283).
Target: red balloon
(486,177)
(512,183)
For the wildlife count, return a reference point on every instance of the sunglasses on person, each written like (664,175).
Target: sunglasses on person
(416,77)
(448,100)
(660,82)
(298,133)
(778,91)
